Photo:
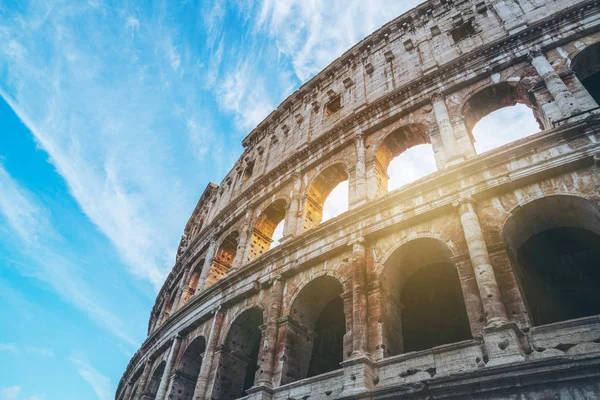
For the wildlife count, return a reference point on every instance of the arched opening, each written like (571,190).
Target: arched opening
(193,281)
(133,395)
(188,369)
(264,229)
(239,356)
(316,327)
(319,191)
(555,244)
(586,66)
(224,258)
(422,302)
(169,306)
(500,114)
(154,382)
(404,156)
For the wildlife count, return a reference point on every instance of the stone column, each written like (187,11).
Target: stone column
(206,367)
(210,255)
(291,219)
(464,138)
(166,377)
(143,380)
(127,391)
(482,266)
(180,288)
(245,233)
(442,117)
(566,102)
(267,352)
(359,299)
(360,180)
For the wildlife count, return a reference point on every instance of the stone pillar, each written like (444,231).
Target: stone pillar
(210,255)
(442,117)
(206,367)
(180,288)
(359,299)
(464,138)
(165,381)
(293,212)
(245,233)
(560,92)
(264,377)
(480,260)
(127,391)
(143,380)
(500,336)
(360,180)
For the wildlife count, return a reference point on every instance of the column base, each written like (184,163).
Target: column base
(359,373)
(502,344)
(260,392)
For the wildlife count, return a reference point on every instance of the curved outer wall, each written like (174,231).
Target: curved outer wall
(426,77)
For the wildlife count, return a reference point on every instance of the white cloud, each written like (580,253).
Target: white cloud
(100,384)
(13,393)
(27,350)
(337,202)
(44,245)
(504,126)
(412,164)
(314,33)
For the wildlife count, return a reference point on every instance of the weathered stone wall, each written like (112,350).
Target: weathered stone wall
(426,77)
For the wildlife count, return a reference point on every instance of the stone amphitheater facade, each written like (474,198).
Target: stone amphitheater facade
(477,281)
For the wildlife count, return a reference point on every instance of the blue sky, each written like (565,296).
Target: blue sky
(113,118)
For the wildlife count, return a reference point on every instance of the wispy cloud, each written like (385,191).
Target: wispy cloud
(100,384)
(14,393)
(16,349)
(314,33)
(37,238)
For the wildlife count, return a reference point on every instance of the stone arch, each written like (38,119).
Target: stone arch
(238,358)
(264,227)
(314,329)
(422,303)
(224,257)
(380,266)
(393,145)
(193,280)
(319,188)
(154,380)
(188,368)
(494,97)
(168,310)
(554,242)
(490,98)
(586,65)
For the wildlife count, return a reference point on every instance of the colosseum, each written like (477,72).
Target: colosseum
(479,280)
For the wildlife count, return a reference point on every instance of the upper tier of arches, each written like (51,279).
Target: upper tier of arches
(295,158)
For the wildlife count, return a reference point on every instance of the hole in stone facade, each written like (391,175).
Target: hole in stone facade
(555,242)
(333,106)
(239,356)
(223,259)
(462,32)
(188,369)
(423,305)
(586,66)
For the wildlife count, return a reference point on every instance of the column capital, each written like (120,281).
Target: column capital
(276,278)
(534,54)
(464,200)
(437,96)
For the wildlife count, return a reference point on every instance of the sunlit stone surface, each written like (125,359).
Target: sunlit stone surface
(419,220)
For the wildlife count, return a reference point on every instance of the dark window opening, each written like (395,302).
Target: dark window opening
(333,106)
(434,311)
(560,274)
(462,32)
(592,84)
(422,304)
(586,66)
(188,369)
(248,171)
(328,346)
(239,358)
